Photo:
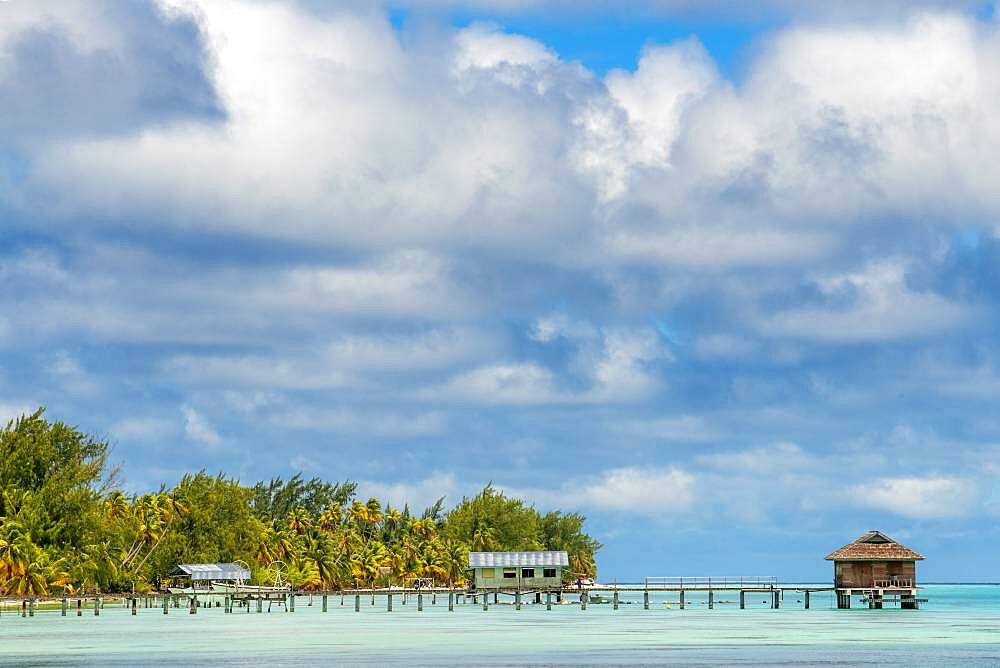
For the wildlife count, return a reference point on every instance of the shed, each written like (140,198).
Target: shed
(226,572)
(877,565)
(518,570)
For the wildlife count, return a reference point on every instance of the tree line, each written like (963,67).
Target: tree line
(67,526)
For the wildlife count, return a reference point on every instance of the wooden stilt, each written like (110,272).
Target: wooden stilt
(711,599)
(682,599)
(807,599)
(548,600)
(324,602)
(420,602)
(65,605)
(743,600)
(614,599)
(645,600)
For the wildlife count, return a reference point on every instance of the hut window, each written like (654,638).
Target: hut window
(489,573)
(510,572)
(549,572)
(527,572)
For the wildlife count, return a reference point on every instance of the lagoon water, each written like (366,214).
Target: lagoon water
(960,625)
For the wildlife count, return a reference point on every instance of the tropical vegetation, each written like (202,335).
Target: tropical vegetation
(67,525)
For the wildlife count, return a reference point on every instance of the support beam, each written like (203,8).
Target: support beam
(645,600)
(711,599)
(682,599)
(548,600)
(614,598)
(743,600)
(807,599)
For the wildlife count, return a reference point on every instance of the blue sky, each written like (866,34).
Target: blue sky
(726,282)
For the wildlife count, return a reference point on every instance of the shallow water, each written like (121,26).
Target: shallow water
(959,625)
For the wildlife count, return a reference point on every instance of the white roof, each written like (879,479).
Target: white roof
(212,571)
(489,559)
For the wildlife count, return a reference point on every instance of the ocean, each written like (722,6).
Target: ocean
(959,625)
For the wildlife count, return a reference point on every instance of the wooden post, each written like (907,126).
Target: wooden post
(776,594)
(260,604)
(193,610)
(548,600)
(517,600)
(133,605)
(79,607)
(711,599)
(451,601)
(645,600)
(486,602)
(877,596)
(388,605)
(583,600)
(97,607)
(65,605)
(31,608)
(614,605)
(496,596)
(682,599)
(291,603)
(357,602)
(434,598)
(324,602)
(807,599)
(743,600)
(420,602)
(24,608)
(166,604)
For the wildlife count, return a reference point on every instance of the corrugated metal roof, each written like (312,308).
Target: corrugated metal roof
(874,546)
(212,571)
(488,559)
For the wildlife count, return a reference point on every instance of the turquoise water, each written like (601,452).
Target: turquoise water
(959,625)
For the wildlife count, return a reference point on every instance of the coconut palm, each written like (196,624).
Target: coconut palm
(299,521)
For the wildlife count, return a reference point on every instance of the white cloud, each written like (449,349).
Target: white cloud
(918,498)
(647,491)
(419,494)
(370,422)
(142,429)
(198,429)
(870,305)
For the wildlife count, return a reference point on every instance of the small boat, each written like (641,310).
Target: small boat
(233,588)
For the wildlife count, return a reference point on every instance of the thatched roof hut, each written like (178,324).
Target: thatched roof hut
(874,546)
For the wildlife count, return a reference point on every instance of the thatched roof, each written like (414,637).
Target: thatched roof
(874,546)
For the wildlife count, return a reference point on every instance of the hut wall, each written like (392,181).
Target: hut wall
(864,573)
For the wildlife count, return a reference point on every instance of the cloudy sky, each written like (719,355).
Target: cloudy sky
(727,281)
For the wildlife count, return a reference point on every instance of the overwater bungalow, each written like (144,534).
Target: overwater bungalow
(518,571)
(876,567)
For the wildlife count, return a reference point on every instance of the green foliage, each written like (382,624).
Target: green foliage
(63,526)
(275,499)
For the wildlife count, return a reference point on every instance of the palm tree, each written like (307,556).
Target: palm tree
(299,521)
(330,518)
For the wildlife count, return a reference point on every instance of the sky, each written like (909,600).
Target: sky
(722,276)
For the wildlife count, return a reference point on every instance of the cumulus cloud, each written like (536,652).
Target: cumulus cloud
(418,494)
(918,497)
(650,491)
(198,429)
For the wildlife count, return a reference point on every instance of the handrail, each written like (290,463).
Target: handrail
(710,580)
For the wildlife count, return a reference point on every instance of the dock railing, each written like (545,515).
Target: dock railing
(702,581)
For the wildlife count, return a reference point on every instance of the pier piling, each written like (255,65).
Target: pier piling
(682,599)
(420,602)
(388,604)
(614,598)
(548,600)
(166,604)
(79,607)
(97,607)
(645,600)
(451,601)
(291,603)
(357,603)
(807,599)
(193,610)
(583,600)
(743,600)
(133,606)
(65,605)
(324,602)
